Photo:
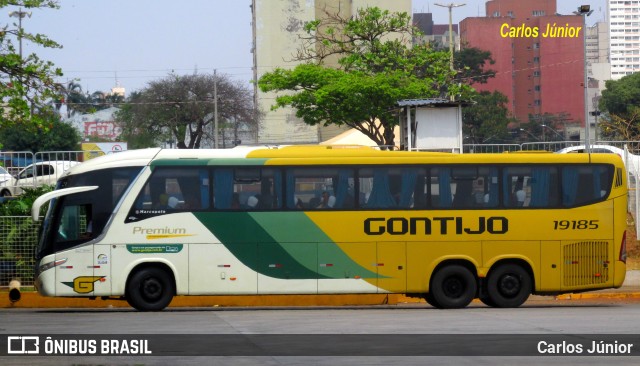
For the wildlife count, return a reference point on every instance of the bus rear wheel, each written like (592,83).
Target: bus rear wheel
(508,286)
(453,287)
(150,289)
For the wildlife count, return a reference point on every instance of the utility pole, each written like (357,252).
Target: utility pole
(584,11)
(450,6)
(20,14)
(215,109)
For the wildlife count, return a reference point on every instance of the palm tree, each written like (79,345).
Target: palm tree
(77,101)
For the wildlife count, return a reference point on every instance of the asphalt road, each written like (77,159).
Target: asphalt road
(538,320)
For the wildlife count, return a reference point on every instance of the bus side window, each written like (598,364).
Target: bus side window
(585,183)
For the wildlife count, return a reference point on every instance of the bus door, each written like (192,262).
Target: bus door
(75,276)
(391,265)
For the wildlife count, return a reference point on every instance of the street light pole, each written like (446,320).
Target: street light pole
(20,14)
(585,11)
(450,6)
(529,133)
(553,130)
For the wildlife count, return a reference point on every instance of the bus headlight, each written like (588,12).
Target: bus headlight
(50,265)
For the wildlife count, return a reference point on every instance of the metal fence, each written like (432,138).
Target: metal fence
(18,234)
(31,170)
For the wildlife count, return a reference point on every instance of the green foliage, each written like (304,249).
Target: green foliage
(621,103)
(487,119)
(624,127)
(19,231)
(376,67)
(26,82)
(21,206)
(620,96)
(52,135)
(470,63)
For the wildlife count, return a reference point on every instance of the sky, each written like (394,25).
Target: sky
(133,42)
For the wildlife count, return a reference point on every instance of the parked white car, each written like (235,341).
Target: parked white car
(4,175)
(632,161)
(35,175)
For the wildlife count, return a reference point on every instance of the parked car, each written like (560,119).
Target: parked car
(35,175)
(632,161)
(4,175)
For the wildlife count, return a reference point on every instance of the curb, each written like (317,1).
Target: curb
(35,300)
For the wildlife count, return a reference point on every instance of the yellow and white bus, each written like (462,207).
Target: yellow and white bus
(146,225)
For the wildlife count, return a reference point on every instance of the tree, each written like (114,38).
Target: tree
(487,119)
(470,63)
(26,82)
(621,103)
(77,101)
(624,128)
(181,108)
(376,67)
(52,135)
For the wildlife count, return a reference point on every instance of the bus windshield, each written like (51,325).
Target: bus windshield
(80,217)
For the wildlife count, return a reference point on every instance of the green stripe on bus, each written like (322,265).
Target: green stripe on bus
(269,244)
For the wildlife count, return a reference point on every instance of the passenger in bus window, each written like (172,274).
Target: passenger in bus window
(328,201)
(162,202)
(252,202)
(173,203)
(235,201)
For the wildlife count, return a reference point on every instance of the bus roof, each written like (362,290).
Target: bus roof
(314,155)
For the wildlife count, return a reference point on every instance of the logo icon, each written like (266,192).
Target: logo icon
(84,284)
(23,345)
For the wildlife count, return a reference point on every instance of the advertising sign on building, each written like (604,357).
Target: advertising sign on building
(95,149)
(104,129)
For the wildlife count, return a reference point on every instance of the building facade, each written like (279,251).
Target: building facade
(277,27)
(435,34)
(539,58)
(624,37)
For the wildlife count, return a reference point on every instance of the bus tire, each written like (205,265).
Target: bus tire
(150,289)
(453,287)
(509,286)
(485,299)
(431,300)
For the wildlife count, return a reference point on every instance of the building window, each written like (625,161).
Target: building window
(536,74)
(536,88)
(536,59)
(536,45)
(537,102)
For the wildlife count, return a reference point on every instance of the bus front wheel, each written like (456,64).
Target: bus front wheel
(150,289)
(508,286)
(431,300)
(453,287)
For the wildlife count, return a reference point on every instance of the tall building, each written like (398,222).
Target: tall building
(539,57)
(624,37)
(277,27)
(437,34)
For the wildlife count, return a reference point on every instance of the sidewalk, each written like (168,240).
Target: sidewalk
(629,290)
